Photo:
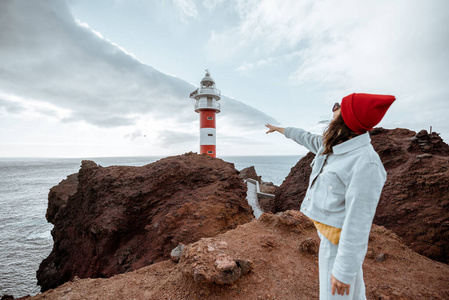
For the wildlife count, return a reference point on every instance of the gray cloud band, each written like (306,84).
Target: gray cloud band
(48,56)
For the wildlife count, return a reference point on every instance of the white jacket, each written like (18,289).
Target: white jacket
(344,190)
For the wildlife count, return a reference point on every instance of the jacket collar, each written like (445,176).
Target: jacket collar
(352,144)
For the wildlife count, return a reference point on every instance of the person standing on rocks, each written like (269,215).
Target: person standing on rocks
(344,189)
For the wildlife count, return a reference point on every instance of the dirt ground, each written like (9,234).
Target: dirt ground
(282,251)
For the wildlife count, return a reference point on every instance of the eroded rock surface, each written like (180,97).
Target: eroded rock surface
(250,172)
(209,261)
(117,219)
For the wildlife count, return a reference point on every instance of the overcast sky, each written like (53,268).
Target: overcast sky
(82,78)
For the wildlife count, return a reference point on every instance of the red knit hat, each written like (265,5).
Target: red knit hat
(361,112)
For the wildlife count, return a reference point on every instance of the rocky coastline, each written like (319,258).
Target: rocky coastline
(115,229)
(119,219)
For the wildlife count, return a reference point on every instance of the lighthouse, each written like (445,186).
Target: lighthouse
(206,104)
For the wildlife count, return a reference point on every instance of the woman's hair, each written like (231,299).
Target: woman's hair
(336,132)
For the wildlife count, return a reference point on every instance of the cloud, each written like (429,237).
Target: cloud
(171,138)
(100,120)
(188,7)
(212,4)
(246,66)
(134,135)
(333,48)
(336,41)
(249,117)
(11,107)
(294,57)
(50,57)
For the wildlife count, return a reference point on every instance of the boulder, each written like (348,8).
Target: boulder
(176,253)
(208,261)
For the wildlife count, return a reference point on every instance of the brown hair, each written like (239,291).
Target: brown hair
(336,132)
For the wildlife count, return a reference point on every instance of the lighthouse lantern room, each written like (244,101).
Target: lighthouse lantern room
(206,104)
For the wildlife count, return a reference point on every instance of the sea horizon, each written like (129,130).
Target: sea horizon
(25,238)
(132,156)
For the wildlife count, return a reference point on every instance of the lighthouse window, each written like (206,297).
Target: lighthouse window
(210,152)
(210,134)
(210,118)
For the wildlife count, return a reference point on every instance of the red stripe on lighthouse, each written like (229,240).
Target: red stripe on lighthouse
(208,149)
(207,118)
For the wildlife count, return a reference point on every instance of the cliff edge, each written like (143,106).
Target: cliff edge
(112,220)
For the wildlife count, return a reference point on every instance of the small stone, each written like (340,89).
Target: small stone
(245,265)
(224,263)
(425,155)
(309,246)
(370,253)
(222,245)
(177,252)
(269,242)
(199,274)
(422,133)
(381,257)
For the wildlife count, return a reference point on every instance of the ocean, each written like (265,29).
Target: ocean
(25,238)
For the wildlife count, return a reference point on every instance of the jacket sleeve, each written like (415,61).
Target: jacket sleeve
(313,142)
(362,196)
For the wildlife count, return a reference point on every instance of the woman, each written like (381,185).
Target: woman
(344,188)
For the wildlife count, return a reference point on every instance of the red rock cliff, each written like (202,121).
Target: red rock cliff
(415,200)
(119,218)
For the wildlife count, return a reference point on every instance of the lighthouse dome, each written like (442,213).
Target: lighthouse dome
(207,80)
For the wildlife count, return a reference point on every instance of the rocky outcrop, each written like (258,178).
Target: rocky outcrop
(59,195)
(415,199)
(276,256)
(414,202)
(268,187)
(117,219)
(250,172)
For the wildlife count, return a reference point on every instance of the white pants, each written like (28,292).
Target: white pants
(327,254)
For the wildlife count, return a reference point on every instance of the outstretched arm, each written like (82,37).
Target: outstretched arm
(311,141)
(272,128)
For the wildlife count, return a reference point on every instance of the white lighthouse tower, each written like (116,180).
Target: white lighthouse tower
(206,104)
